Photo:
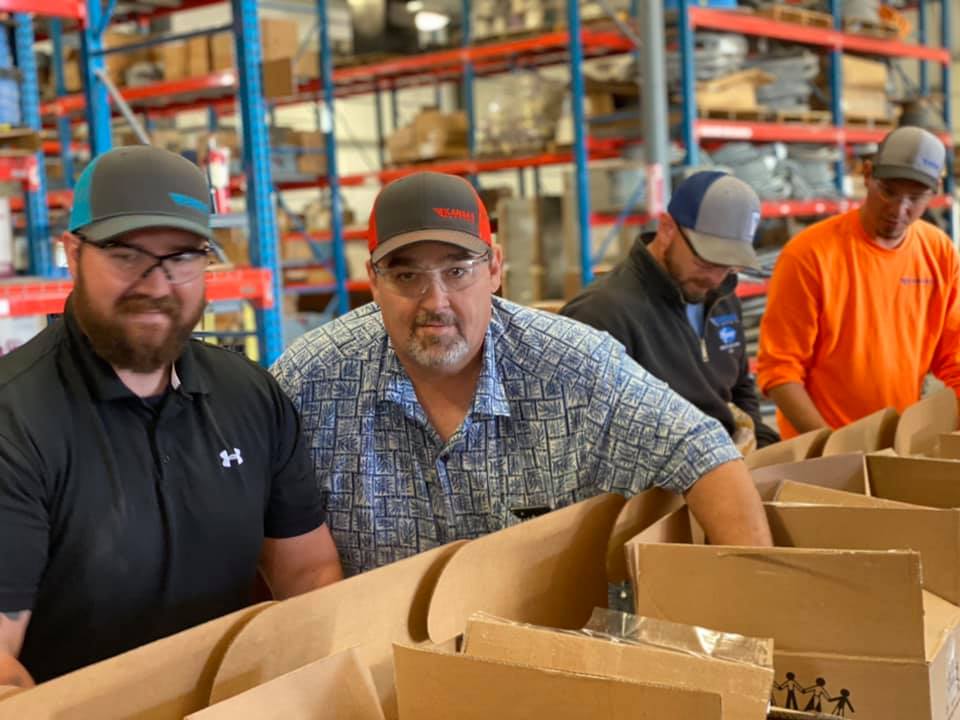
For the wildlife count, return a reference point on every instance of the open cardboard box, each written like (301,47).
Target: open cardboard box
(164,680)
(739,669)
(434,684)
(853,628)
(339,686)
(922,423)
(367,612)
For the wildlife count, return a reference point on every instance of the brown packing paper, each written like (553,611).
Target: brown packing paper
(164,680)
(949,446)
(435,685)
(367,612)
(339,686)
(549,571)
(744,688)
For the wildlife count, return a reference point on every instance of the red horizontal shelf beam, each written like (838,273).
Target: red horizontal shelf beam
(71,9)
(752,288)
(34,296)
(302,288)
(757,25)
(354,233)
(789,132)
(55,198)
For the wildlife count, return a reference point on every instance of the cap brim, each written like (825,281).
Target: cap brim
(451,237)
(903,172)
(103,230)
(723,251)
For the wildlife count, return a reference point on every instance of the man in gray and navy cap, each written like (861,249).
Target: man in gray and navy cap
(144,477)
(862,306)
(672,301)
(441,412)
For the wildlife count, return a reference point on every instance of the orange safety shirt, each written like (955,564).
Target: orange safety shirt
(858,325)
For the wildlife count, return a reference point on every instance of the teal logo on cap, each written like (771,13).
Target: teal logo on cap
(190,202)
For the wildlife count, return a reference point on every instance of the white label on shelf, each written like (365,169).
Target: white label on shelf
(4,307)
(709,130)
(326,123)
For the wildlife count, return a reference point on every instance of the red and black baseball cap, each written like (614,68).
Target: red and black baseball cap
(428,206)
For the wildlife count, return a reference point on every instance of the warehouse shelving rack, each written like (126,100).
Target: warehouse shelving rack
(218,91)
(45,293)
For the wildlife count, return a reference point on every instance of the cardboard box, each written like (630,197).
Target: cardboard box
(235,244)
(896,660)
(637,514)
(311,159)
(222,52)
(438,685)
(868,434)
(402,145)
(743,686)
(838,472)
(441,135)
(164,680)
(736,91)
(548,571)
(802,447)
(922,423)
(278,78)
(948,446)
(918,481)
(859,72)
(368,612)
(867,103)
(279,38)
(172,59)
(337,687)
(198,56)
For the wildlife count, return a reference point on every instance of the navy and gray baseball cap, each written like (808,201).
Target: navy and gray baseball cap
(140,187)
(911,153)
(719,214)
(428,206)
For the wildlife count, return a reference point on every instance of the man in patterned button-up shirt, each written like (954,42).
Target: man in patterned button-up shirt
(438,410)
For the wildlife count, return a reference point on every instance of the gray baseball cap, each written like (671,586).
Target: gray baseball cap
(719,214)
(140,187)
(911,153)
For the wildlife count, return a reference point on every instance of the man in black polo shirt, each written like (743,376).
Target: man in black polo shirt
(144,477)
(672,304)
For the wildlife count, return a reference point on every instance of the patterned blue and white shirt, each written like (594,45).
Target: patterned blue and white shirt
(560,414)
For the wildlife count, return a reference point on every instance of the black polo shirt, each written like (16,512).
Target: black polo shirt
(123,521)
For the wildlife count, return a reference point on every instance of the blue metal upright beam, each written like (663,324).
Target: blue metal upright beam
(378,109)
(577,93)
(64,131)
(688,77)
(836,94)
(946,80)
(469,106)
(328,126)
(91,60)
(256,165)
(38,220)
(922,40)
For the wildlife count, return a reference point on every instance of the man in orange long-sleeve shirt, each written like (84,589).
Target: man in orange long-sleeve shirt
(863,305)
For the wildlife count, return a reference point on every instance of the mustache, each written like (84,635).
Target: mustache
(143,303)
(425,317)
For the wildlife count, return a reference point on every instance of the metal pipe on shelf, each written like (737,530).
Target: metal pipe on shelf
(581,171)
(378,110)
(654,101)
(836,93)
(922,39)
(688,90)
(64,134)
(328,127)
(256,163)
(469,108)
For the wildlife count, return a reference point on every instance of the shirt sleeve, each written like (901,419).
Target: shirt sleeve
(653,436)
(946,356)
(788,329)
(296,504)
(24,528)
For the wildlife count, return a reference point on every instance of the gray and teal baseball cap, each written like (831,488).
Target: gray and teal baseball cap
(719,215)
(140,187)
(911,153)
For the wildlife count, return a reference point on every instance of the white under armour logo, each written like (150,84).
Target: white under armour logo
(228,458)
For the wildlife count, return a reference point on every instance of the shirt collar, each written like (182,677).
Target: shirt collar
(102,379)
(490,399)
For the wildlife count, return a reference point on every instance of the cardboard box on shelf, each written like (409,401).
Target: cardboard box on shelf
(172,59)
(433,684)
(441,135)
(740,670)
(897,660)
(860,72)
(279,38)
(311,159)
(222,52)
(278,78)
(198,56)
(867,103)
(402,145)
(736,91)
(339,686)
(235,244)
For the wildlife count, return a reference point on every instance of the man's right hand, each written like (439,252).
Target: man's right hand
(795,403)
(13,628)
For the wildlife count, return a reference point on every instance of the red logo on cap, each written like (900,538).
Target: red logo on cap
(456,214)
